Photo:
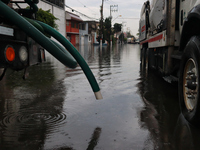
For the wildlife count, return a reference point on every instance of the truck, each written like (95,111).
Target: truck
(18,51)
(169,37)
(24,40)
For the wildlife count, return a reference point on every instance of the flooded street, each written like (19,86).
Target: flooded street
(55,108)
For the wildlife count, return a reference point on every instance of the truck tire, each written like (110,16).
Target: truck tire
(189,81)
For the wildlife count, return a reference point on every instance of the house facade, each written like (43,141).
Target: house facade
(72,27)
(57,8)
(84,37)
(93,27)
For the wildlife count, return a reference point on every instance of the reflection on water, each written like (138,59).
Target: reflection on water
(185,136)
(161,109)
(94,139)
(55,109)
(28,112)
(161,116)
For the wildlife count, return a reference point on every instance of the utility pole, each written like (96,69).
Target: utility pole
(113,8)
(101,24)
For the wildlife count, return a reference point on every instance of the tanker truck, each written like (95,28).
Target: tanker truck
(24,40)
(169,35)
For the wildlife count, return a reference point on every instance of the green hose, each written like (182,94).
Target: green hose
(34,33)
(40,38)
(35,24)
(71,62)
(6,1)
(51,31)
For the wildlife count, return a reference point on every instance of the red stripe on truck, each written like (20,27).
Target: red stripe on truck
(143,28)
(159,37)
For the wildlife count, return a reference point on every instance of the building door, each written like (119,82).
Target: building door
(77,39)
(82,40)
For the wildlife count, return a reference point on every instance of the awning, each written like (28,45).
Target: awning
(75,17)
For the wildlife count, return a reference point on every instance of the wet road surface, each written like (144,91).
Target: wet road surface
(55,109)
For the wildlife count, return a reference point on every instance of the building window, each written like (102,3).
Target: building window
(73,24)
(67,22)
(77,25)
(82,26)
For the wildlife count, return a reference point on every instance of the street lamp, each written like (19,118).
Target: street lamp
(117,17)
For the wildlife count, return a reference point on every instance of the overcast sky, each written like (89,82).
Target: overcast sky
(128,11)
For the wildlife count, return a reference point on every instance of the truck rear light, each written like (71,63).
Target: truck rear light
(10,53)
(23,53)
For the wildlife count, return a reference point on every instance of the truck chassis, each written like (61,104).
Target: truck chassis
(170,44)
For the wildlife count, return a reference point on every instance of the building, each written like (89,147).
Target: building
(93,28)
(56,7)
(72,27)
(84,37)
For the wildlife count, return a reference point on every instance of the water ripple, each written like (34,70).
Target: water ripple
(31,119)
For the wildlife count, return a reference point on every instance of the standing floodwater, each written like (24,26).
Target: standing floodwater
(55,108)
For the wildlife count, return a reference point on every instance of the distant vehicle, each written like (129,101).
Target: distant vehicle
(137,41)
(131,40)
(170,43)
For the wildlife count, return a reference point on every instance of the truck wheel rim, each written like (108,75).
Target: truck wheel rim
(190,85)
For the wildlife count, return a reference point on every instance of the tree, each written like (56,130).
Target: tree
(117,27)
(107,29)
(47,17)
(101,28)
(121,37)
(128,34)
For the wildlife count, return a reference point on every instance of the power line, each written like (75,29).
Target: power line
(80,13)
(86,6)
(129,18)
(110,1)
(81,3)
